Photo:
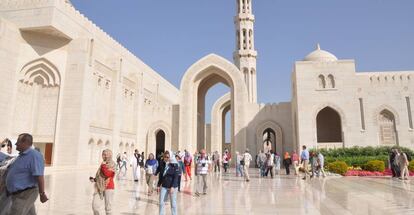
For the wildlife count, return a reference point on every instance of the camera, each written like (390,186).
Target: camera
(203,164)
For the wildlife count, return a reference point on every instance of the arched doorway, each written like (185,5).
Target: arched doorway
(36,104)
(198,79)
(269,135)
(160,142)
(329,126)
(269,140)
(219,112)
(387,128)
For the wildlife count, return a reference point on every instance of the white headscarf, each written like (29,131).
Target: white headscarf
(172,158)
(14,152)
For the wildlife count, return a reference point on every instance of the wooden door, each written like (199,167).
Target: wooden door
(48,153)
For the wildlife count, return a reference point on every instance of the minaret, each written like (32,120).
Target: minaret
(245,54)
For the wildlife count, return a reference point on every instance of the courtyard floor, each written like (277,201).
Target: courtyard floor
(70,192)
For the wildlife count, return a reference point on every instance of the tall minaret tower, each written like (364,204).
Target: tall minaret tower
(245,54)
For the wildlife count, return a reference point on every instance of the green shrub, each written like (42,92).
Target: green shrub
(357,151)
(338,167)
(374,165)
(411,166)
(357,161)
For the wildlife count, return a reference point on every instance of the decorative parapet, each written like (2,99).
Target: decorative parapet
(388,77)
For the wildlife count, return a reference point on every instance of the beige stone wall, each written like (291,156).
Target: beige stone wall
(108,98)
(378,90)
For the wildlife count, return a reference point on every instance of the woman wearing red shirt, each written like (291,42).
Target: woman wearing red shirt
(104,184)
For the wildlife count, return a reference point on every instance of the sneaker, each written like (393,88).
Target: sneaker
(197,194)
(205,193)
(304,178)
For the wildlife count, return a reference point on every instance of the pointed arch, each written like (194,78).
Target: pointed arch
(387,128)
(321,82)
(152,136)
(329,126)
(220,108)
(331,81)
(260,130)
(197,80)
(40,68)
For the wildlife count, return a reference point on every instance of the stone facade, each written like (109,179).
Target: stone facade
(78,91)
(364,108)
(75,88)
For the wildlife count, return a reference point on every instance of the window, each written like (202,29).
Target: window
(410,119)
(361,110)
(321,80)
(388,133)
(331,81)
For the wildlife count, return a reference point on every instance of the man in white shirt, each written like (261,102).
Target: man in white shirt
(247,158)
(202,168)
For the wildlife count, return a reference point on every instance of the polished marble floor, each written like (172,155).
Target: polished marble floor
(71,193)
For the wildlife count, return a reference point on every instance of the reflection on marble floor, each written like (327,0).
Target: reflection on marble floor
(71,193)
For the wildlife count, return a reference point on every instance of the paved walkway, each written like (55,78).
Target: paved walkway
(71,193)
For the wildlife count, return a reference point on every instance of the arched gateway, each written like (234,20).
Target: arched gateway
(200,77)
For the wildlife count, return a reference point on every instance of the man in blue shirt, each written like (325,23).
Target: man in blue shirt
(25,179)
(304,157)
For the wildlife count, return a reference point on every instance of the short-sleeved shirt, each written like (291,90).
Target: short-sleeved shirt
(247,158)
(202,166)
(304,155)
(23,171)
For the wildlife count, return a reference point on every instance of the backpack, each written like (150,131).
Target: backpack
(242,161)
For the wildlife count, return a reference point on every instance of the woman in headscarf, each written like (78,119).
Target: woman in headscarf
(104,184)
(7,158)
(151,165)
(287,162)
(187,163)
(168,182)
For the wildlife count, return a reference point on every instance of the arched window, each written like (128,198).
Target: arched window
(238,39)
(388,134)
(328,126)
(331,81)
(250,38)
(246,74)
(321,82)
(244,39)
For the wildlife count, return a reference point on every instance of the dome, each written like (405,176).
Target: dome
(320,56)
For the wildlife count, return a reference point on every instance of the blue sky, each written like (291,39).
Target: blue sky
(170,35)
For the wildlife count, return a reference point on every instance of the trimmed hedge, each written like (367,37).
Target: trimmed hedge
(374,166)
(411,166)
(359,156)
(358,151)
(338,167)
(357,161)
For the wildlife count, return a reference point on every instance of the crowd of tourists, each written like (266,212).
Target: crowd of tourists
(22,170)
